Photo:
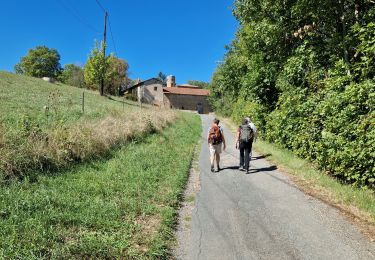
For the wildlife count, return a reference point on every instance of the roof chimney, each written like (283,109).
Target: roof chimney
(171,81)
(137,81)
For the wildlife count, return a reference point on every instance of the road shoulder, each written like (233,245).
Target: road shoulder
(193,186)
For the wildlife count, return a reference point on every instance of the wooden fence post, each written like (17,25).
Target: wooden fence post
(83,102)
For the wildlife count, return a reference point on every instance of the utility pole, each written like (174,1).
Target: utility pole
(104,43)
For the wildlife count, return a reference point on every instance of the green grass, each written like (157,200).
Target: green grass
(332,189)
(23,96)
(124,207)
(34,139)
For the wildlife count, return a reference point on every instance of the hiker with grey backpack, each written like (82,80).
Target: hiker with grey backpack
(246,134)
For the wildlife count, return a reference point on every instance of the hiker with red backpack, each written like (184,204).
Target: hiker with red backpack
(246,134)
(215,141)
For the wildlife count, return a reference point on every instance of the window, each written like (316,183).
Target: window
(155,88)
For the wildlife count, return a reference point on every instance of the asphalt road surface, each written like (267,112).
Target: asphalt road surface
(261,215)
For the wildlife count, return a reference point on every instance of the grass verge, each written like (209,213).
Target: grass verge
(124,207)
(26,152)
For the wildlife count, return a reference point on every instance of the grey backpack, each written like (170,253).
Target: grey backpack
(246,133)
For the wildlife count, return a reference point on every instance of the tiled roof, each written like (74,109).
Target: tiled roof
(186,91)
(146,82)
(187,86)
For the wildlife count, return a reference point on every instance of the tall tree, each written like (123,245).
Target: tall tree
(40,62)
(116,74)
(96,67)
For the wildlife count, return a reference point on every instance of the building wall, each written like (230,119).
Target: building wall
(151,94)
(186,102)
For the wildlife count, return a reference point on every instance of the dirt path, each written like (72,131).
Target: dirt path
(261,215)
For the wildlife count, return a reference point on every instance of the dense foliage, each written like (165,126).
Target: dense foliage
(304,71)
(109,69)
(96,67)
(45,62)
(116,75)
(40,62)
(199,83)
(72,75)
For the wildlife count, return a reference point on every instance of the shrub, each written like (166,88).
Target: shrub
(334,128)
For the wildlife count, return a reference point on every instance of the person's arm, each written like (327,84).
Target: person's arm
(225,146)
(237,139)
(208,136)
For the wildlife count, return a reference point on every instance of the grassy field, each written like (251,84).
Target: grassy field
(43,128)
(101,184)
(25,97)
(124,207)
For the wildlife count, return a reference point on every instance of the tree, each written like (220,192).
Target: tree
(162,77)
(198,83)
(72,75)
(116,74)
(304,71)
(40,62)
(96,67)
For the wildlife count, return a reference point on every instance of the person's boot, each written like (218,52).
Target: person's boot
(218,168)
(212,168)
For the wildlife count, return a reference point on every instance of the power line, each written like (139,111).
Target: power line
(100,5)
(77,16)
(110,30)
(110,26)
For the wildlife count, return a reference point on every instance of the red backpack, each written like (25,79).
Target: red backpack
(214,136)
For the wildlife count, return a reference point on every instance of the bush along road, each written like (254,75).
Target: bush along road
(262,215)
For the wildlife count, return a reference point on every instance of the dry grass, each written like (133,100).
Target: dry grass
(22,152)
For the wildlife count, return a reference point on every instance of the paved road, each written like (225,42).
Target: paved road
(261,215)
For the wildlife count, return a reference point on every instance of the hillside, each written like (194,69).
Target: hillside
(26,96)
(88,186)
(43,127)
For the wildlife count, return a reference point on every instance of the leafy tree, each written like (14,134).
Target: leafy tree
(72,75)
(95,68)
(198,83)
(40,62)
(116,74)
(305,71)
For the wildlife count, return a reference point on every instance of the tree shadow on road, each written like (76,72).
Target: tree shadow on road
(265,169)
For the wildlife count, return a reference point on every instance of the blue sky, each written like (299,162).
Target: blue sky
(183,38)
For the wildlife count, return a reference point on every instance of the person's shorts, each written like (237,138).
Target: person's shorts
(215,148)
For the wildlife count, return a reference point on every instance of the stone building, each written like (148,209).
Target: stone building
(186,97)
(149,91)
